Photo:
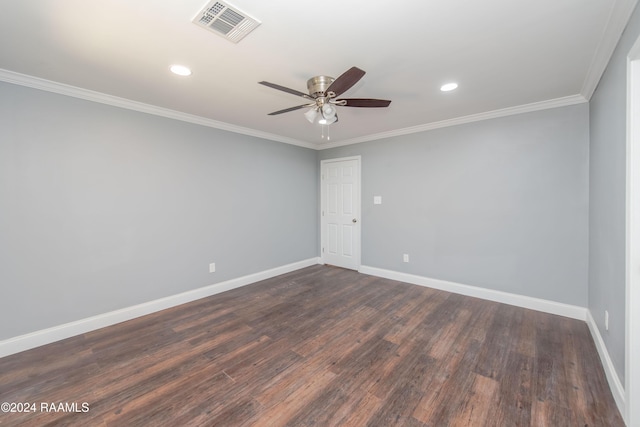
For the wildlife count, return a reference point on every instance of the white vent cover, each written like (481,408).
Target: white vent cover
(225,20)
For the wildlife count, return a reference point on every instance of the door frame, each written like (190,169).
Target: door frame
(632,250)
(358,204)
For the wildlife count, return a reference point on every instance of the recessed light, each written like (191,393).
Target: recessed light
(449,87)
(180,70)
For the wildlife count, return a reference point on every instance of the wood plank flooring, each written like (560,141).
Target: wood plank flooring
(321,346)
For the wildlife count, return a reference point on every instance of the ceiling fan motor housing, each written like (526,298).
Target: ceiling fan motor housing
(318,85)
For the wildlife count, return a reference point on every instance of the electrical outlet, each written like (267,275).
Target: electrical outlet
(405,258)
(606,320)
(212,267)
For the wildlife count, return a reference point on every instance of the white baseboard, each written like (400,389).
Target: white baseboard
(567,310)
(610,371)
(67,330)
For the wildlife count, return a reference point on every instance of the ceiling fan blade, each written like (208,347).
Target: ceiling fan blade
(345,81)
(286,89)
(286,110)
(363,102)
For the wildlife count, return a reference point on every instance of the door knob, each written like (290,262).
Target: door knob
(354,220)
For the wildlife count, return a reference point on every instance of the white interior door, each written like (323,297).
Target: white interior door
(341,212)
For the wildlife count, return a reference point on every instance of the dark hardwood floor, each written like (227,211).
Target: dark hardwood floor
(320,346)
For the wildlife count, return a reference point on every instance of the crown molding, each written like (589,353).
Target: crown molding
(89,95)
(617,22)
(520,109)
(102,98)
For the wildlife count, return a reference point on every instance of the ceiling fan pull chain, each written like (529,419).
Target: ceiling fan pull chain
(326,128)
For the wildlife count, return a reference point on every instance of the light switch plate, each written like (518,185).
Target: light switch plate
(377,200)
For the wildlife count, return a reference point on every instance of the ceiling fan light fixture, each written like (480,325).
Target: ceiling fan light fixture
(311,115)
(327,121)
(328,111)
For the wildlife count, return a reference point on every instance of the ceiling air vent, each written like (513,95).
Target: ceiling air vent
(225,20)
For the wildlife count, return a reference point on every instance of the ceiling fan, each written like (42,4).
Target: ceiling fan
(323,96)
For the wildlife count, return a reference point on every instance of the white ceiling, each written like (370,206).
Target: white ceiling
(506,55)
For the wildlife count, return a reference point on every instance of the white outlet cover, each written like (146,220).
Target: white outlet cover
(212,267)
(377,200)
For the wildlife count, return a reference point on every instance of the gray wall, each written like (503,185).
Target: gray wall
(500,204)
(102,208)
(607,197)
